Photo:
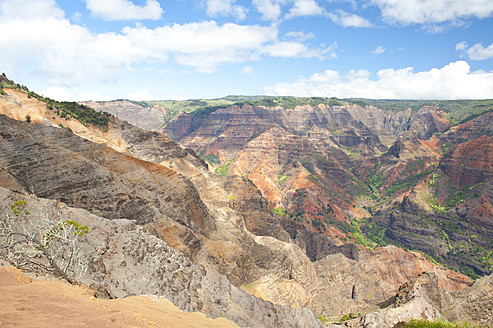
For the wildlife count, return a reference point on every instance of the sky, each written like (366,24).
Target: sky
(195,49)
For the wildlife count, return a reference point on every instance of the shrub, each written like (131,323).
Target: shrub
(43,243)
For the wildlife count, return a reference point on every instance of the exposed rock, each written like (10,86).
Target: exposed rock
(470,162)
(421,298)
(150,118)
(130,261)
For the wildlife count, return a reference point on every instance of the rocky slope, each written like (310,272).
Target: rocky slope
(328,167)
(128,261)
(150,118)
(421,296)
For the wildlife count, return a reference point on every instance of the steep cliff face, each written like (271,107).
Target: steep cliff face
(150,118)
(332,168)
(470,162)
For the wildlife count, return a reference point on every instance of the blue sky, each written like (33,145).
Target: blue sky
(184,49)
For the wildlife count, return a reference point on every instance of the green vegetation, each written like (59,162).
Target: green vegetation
(406,183)
(212,158)
(64,109)
(297,211)
(82,113)
(324,319)
(279,210)
(173,107)
(223,169)
(292,102)
(375,233)
(445,149)
(375,182)
(424,323)
(463,195)
(458,111)
(347,317)
(282,178)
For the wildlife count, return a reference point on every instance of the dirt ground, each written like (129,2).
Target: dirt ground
(25,302)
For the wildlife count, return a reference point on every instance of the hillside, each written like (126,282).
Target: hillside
(160,222)
(372,172)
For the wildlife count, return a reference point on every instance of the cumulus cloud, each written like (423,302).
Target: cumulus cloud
(300,36)
(197,44)
(30,9)
(292,49)
(66,53)
(225,8)
(461,46)
(140,95)
(378,50)
(345,19)
(124,10)
(432,11)
(453,81)
(305,8)
(248,70)
(61,94)
(270,9)
(475,52)
(478,52)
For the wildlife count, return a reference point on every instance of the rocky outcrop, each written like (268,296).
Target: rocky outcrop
(470,162)
(130,261)
(149,118)
(421,298)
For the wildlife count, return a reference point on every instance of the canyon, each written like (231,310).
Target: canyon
(266,216)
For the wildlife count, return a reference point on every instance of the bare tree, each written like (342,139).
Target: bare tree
(42,242)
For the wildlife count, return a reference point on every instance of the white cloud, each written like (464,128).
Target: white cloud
(66,53)
(378,50)
(225,8)
(305,8)
(291,49)
(248,70)
(345,19)
(475,52)
(202,45)
(286,49)
(61,94)
(140,95)
(461,46)
(478,52)
(124,9)
(270,9)
(453,81)
(58,93)
(432,11)
(300,36)
(30,9)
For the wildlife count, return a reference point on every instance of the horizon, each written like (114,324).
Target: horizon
(149,50)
